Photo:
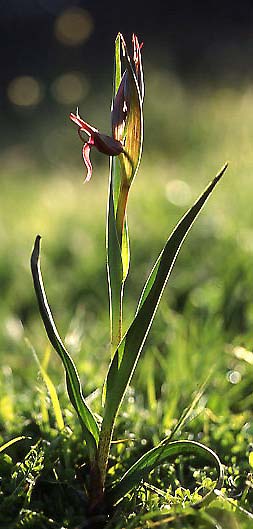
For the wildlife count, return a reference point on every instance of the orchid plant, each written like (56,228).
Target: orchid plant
(124,149)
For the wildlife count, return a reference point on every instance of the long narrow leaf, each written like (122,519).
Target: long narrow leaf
(87,419)
(126,356)
(165,452)
(177,237)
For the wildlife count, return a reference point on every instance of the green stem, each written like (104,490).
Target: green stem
(117,312)
(116,309)
(96,488)
(104,450)
(121,209)
(116,330)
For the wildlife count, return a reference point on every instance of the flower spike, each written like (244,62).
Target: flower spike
(126,116)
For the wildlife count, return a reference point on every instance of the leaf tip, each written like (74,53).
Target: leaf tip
(36,251)
(222,171)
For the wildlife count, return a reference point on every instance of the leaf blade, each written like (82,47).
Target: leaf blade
(86,418)
(191,213)
(165,451)
(126,357)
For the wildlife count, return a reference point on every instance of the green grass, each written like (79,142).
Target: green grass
(206,312)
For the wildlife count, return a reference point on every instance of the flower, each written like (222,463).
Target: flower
(127,120)
(103,143)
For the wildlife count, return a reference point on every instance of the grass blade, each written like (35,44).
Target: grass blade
(54,398)
(86,418)
(127,354)
(220,494)
(187,412)
(166,451)
(50,387)
(12,442)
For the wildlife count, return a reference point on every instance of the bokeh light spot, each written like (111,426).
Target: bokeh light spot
(70,88)
(234,377)
(24,91)
(73,27)
(178,192)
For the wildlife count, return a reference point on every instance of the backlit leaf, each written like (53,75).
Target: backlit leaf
(86,418)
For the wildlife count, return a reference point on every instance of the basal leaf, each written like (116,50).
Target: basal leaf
(166,452)
(86,418)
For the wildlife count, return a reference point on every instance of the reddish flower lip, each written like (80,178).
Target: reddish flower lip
(103,143)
